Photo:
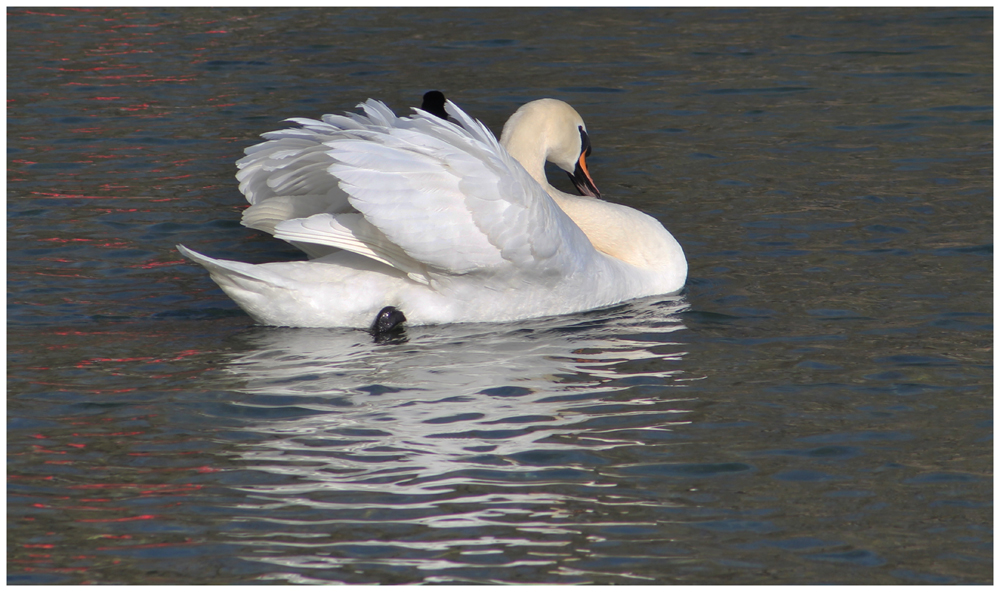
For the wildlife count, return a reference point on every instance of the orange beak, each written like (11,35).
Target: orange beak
(581,178)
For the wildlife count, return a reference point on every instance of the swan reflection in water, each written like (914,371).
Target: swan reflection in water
(427,405)
(497,416)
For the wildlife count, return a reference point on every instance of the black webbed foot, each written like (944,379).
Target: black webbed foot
(388,324)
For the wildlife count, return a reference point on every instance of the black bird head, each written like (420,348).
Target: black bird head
(434,104)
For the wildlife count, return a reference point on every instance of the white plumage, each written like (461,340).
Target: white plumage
(438,219)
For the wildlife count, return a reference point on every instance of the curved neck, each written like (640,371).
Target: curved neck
(527,150)
(540,131)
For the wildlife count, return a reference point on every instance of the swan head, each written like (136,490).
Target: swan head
(550,130)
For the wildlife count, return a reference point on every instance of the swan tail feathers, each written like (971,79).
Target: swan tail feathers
(235,273)
(269,297)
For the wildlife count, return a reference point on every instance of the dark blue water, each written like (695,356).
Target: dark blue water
(816,408)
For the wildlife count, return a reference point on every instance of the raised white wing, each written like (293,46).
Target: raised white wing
(285,178)
(426,196)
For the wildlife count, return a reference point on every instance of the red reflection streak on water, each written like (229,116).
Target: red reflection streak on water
(92,361)
(156,264)
(44,450)
(102,434)
(94,333)
(93,69)
(57,275)
(65,387)
(126,519)
(145,488)
(175,79)
(110,245)
(150,359)
(40,13)
(55,384)
(118,210)
(138,26)
(186,541)
(94,508)
(127,491)
(68,195)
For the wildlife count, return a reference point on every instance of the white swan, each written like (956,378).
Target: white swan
(440,220)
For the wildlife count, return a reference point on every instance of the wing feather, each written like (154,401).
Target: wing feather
(477,208)
(426,196)
(351,232)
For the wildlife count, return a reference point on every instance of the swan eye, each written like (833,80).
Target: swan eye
(584,142)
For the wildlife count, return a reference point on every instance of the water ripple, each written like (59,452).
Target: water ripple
(428,431)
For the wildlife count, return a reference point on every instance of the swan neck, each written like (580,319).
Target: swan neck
(546,130)
(527,149)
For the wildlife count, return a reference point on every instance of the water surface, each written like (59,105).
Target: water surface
(815,408)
